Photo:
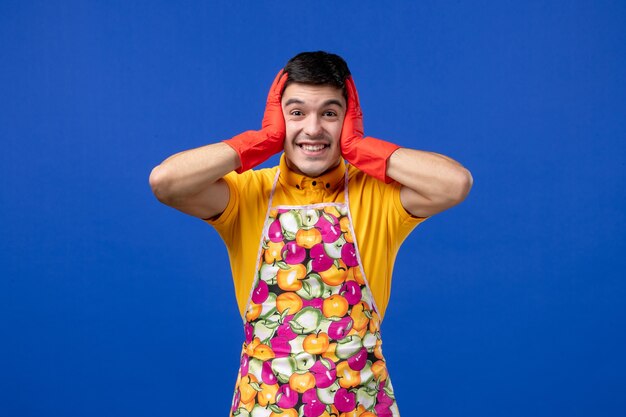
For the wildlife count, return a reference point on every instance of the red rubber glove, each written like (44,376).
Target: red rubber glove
(256,146)
(368,154)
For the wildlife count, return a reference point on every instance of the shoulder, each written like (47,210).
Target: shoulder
(252,179)
(373,198)
(248,189)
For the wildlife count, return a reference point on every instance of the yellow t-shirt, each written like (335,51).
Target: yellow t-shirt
(380,222)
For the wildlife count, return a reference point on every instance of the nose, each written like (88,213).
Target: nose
(313,126)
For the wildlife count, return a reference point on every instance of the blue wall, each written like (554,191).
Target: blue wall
(511,304)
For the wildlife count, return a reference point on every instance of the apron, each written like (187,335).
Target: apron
(312,330)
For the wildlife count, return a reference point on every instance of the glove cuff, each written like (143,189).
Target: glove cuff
(254,147)
(370,155)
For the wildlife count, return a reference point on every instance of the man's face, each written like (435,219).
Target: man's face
(313,119)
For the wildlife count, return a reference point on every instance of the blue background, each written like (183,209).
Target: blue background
(511,304)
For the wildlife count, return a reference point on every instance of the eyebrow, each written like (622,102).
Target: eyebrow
(324,104)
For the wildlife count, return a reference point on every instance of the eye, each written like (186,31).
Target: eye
(330,113)
(296,113)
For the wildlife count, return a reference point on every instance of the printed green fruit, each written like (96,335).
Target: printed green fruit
(306,320)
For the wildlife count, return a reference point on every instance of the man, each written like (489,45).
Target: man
(311,242)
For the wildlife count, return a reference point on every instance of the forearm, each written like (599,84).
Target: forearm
(188,173)
(438,180)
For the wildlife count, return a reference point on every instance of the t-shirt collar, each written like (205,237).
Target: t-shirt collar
(329,181)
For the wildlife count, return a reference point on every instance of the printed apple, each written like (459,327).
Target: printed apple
(275,231)
(348,254)
(284,329)
(369,341)
(286,397)
(262,331)
(283,367)
(367,397)
(313,407)
(383,410)
(301,382)
(351,290)
(248,330)
(247,388)
(374,325)
(254,311)
(304,361)
(290,221)
(263,352)
(320,259)
(255,367)
(334,249)
(269,306)
(268,272)
(316,343)
(243,365)
(273,251)
(335,275)
(332,210)
(358,360)
(289,302)
(289,277)
(293,253)
(355,274)
(296,343)
(367,375)
(325,373)
(330,352)
(312,287)
(344,222)
(327,395)
(329,228)
(345,400)
(260,411)
(309,217)
(379,369)
(348,347)
(359,312)
(280,345)
(306,320)
(267,376)
(378,349)
(339,329)
(267,395)
(348,378)
(335,306)
(307,238)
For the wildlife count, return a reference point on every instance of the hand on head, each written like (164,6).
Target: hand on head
(368,154)
(256,146)
(273,119)
(352,130)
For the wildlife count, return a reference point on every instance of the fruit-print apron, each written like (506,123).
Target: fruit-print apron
(312,330)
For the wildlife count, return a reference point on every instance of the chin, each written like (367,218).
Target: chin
(311,169)
(312,172)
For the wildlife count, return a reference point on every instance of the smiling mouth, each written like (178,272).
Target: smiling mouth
(313,148)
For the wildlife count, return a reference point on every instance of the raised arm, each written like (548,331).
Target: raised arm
(430,182)
(191,181)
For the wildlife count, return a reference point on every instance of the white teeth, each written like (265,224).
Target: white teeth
(313,148)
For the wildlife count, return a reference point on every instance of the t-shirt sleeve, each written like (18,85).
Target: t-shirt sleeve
(225,223)
(407,221)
